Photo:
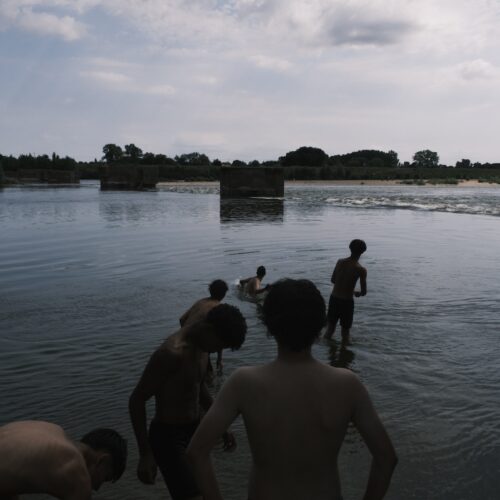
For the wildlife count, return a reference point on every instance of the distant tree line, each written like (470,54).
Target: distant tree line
(303,163)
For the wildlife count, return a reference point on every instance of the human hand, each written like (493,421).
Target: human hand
(229,441)
(146,469)
(357,294)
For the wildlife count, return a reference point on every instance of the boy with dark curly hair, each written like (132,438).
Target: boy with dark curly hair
(175,377)
(296,411)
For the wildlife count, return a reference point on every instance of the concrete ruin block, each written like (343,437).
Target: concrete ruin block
(126,176)
(243,182)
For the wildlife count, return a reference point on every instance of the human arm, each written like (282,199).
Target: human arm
(206,402)
(224,410)
(362,281)
(219,363)
(334,273)
(159,365)
(384,458)
(244,281)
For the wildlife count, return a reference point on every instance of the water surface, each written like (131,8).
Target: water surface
(91,282)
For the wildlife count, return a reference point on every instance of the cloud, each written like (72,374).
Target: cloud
(108,77)
(20,15)
(120,82)
(272,63)
(478,69)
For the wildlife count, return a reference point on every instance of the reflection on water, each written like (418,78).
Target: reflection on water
(251,210)
(340,355)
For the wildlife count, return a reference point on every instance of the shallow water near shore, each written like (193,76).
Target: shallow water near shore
(91,282)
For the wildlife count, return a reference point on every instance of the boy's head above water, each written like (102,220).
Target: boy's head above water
(294,313)
(357,247)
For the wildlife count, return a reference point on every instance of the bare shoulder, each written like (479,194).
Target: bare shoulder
(71,478)
(166,354)
(342,376)
(362,270)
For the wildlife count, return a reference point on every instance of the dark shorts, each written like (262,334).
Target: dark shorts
(342,309)
(169,443)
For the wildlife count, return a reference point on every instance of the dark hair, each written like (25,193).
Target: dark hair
(357,247)
(217,289)
(230,325)
(294,313)
(261,271)
(110,441)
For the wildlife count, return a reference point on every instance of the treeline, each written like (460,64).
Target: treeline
(305,163)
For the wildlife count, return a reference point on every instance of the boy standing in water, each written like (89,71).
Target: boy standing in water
(296,411)
(175,375)
(38,457)
(200,309)
(344,278)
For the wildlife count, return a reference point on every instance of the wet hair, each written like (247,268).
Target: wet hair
(110,441)
(294,312)
(217,289)
(357,247)
(229,324)
(261,271)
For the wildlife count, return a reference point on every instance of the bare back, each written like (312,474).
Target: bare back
(252,285)
(198,311)
(345,276)
(38,457)
(296,419)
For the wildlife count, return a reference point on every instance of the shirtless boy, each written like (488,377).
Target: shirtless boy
(251,286)
(344,278)
(38,457)
(175,375)
(200,308)
(296,411)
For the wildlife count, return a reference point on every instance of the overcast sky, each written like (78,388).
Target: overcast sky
(250,79)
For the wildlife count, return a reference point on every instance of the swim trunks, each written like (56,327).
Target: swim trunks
(342,309)
(169,443)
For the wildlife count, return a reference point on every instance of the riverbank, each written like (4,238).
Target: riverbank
(392,182)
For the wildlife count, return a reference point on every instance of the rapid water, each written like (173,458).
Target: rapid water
(91,282)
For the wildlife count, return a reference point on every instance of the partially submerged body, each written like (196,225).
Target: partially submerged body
(253,286)
(344,278)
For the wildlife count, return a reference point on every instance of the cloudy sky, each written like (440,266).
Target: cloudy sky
(250,79)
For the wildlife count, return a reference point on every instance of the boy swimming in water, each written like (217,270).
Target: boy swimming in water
(252,285)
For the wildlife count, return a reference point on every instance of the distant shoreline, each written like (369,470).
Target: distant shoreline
(392,182)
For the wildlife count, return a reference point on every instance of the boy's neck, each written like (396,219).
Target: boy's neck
(285,354)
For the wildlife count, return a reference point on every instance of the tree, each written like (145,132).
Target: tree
(133,152)
(304,156)
(238,163)
(112,153)
(193,159)
(464,163)
(393,158)
(426,158)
